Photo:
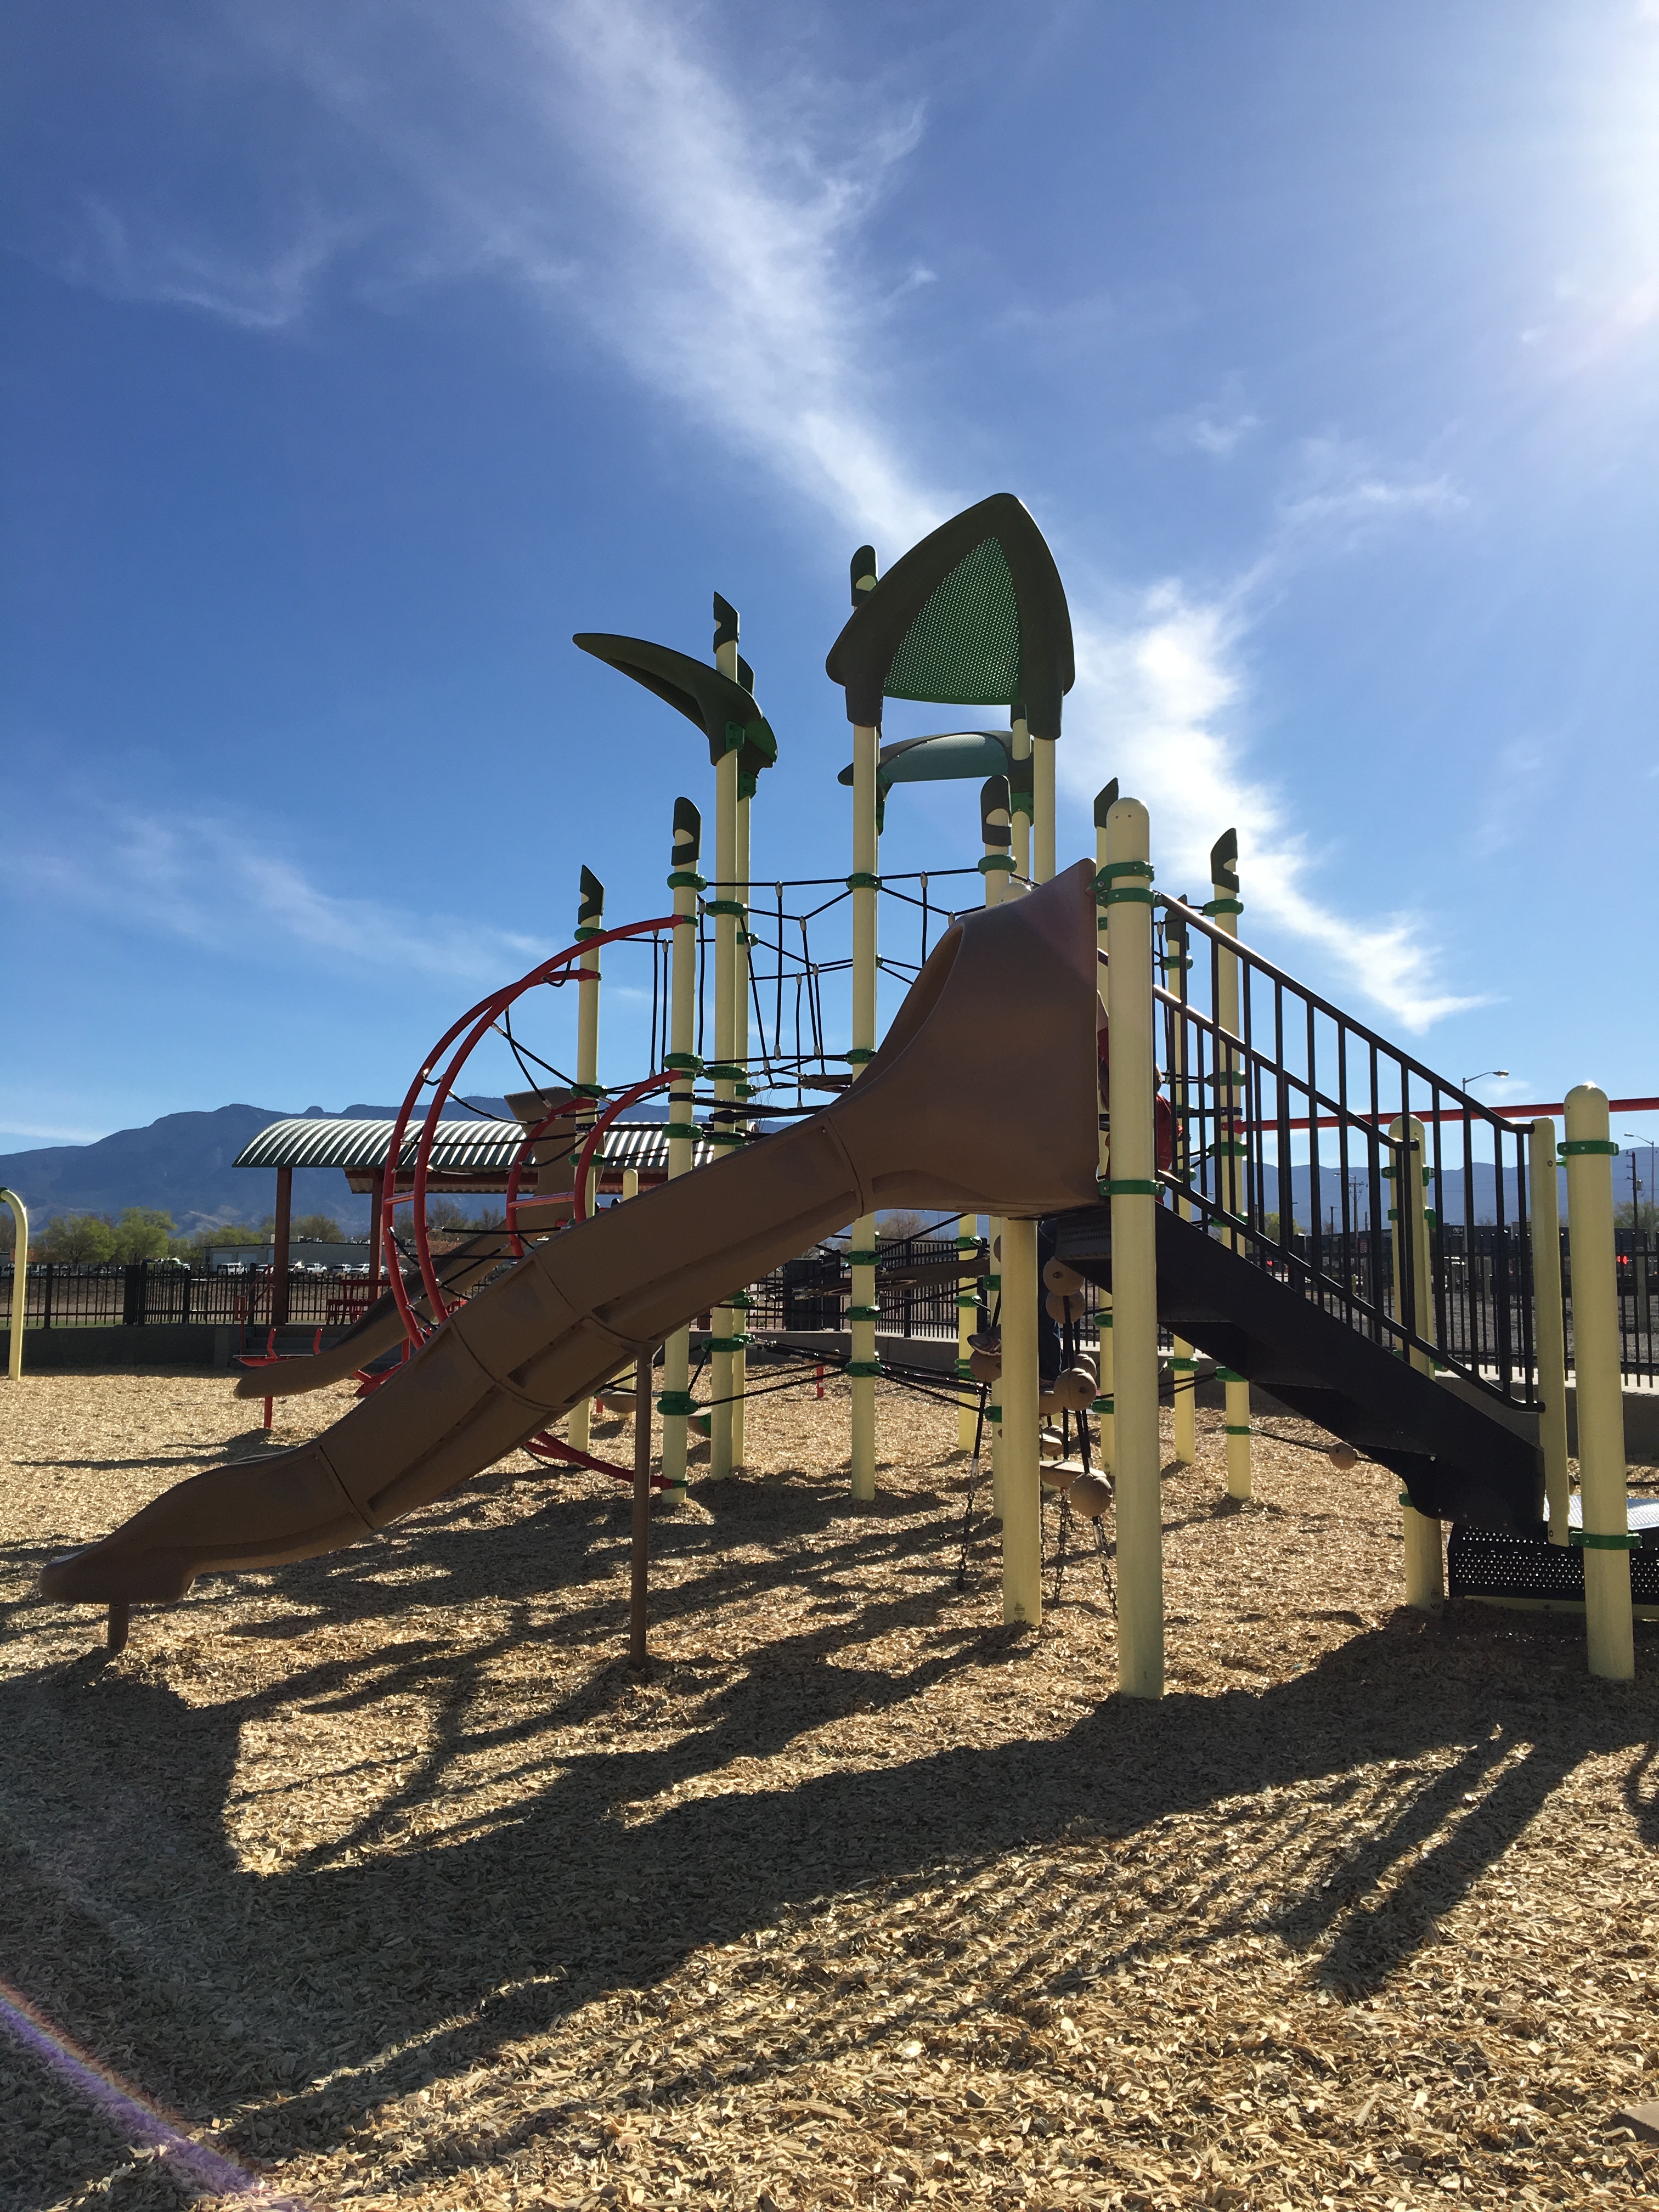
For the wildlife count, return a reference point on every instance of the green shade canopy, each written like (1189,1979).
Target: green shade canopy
(954,756)
(702,693)
(975,615)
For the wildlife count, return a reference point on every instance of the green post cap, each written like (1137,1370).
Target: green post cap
(864,573)
(1105,800)
(726,623)
(995,802)
(688,834)
(592,907)
(1223,862)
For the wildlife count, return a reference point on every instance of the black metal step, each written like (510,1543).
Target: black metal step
(1458,1461)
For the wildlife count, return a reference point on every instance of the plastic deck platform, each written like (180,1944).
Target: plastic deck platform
(1530,1572)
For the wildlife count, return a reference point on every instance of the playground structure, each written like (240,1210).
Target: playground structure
(1233,1104)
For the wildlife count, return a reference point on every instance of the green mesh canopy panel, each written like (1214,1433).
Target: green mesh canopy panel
(962,649)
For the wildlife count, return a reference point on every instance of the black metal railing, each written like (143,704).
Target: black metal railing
(813,1292)
(149,1293)
(1292,1138)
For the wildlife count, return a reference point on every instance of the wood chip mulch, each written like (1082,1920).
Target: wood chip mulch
(379,1878)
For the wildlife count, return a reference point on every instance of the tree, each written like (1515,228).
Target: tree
(1646,1216)
(141,1233)
(319,1229)
(82,1240)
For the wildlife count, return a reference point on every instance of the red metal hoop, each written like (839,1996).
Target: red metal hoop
(469,1028)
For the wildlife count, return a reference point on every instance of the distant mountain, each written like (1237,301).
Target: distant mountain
(182,1163)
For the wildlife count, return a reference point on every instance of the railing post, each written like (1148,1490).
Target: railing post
(1414,1297)
(1223,909)
(967,1322)
(1548,1324)
(681,1061)
(1131,1186)
(1601,1476)
(1183,1367)
(17,1321)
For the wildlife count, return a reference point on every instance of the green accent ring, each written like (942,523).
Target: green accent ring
(673,1402)
(1598,1144)
(862,880)
(1222,906)
(1128,1187)
(687,879)
(1590,1541)
(864,1370)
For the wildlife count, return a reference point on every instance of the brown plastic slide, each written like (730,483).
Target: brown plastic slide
(982,1098)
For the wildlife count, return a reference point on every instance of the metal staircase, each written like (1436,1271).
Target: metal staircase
(1280,1256)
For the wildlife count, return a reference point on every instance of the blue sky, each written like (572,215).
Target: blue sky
(354,358)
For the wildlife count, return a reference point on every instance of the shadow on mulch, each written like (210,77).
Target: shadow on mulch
(453,1950)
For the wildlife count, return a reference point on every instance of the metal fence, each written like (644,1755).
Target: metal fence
(151,1292)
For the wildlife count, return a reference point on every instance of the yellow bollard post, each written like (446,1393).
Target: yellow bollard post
(682,1064)
(1183,1367)
(17,1319)
(1549,1324)
(1132,1189)
(996,866)
(1223,909)
(967,1315)
(1022,1487)
(590,923)
(1425,1561)
(1602,1479)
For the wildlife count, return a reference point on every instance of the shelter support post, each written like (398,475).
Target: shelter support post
(1425,1560)
(725,1320)
(279,1249)
(967,1315)
(1224,908)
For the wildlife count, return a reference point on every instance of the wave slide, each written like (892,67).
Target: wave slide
(982,1098)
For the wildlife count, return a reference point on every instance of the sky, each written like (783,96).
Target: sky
(352,358)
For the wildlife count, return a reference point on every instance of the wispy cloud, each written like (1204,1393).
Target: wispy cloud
(1216,428)
(180,879)
(598,156)
(1155,693)
(136,257)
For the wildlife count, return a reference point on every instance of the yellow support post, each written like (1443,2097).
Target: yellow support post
(1549,1332)
(1022,802)
(996,865)
(862,1312)
(1183,1366)
(1133,1189)
(1105,799)
(18,1317)
(966,1313)
(682,1063)
(1425,1560)
(727,909)
(1042,816)
(1022,1486)
(1602,1480)
(590,923)
(1224,908)
(742,1303)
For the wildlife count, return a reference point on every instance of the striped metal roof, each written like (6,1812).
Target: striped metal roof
(460,1147)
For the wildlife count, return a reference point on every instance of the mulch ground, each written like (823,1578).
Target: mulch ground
(379,1881)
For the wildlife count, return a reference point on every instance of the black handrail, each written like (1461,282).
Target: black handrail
(1233,1089)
